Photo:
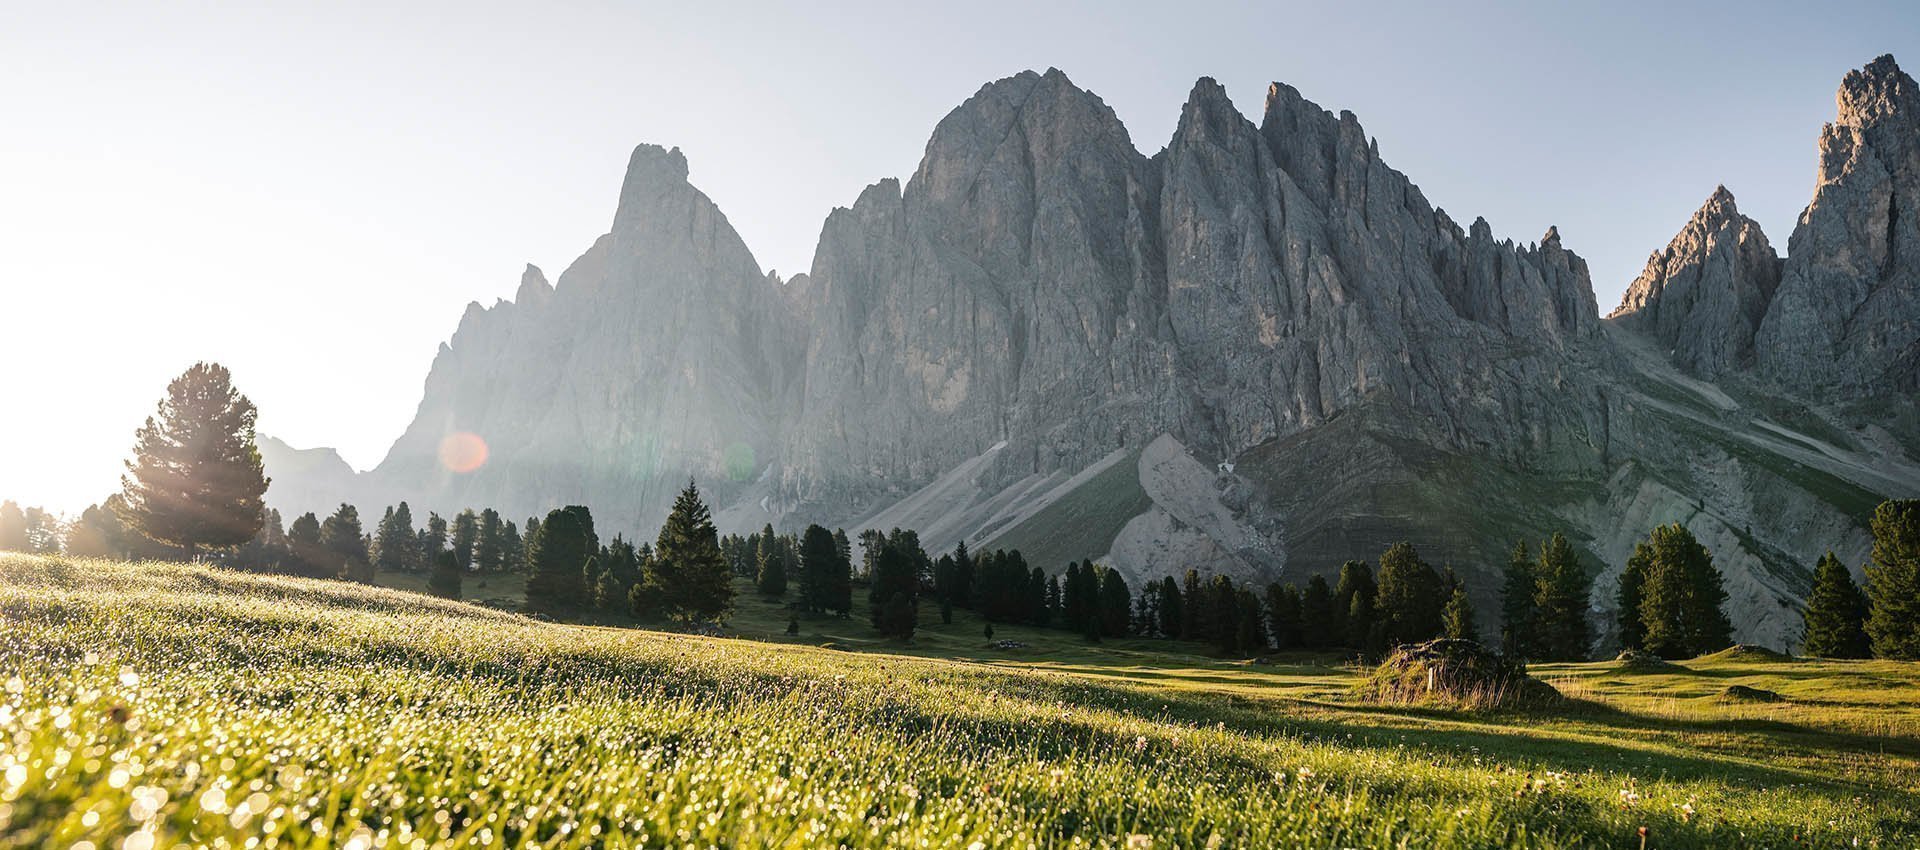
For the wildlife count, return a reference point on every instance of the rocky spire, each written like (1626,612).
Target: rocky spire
(1843,322)
(1702,298)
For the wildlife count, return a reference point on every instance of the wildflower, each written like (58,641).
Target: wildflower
(1139,743)
(1136,841)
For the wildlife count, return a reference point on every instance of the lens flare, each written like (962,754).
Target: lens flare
(463,452)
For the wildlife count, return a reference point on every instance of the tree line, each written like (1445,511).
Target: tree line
(195,484)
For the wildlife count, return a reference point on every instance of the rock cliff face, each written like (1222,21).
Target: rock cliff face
(1260,351)
(1705,295)
(1846,322)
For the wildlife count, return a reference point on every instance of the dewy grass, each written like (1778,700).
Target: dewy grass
(152,705)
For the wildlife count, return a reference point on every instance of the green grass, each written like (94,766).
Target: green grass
(152,705)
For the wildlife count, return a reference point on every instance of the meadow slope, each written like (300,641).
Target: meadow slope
(153,705)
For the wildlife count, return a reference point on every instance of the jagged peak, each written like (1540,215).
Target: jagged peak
(533,286)
(1552,236)
(1876,92)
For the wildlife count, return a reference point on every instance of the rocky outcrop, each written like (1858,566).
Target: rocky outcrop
(1703,297)
(1843,324)
(1260,351)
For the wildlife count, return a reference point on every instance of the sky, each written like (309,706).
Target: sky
(311,194)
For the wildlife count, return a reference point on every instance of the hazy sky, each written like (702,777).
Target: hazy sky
(311,195)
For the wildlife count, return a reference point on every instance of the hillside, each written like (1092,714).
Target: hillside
(149,704)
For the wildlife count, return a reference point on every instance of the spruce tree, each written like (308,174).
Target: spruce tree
(345,545)
(819,561)
(1116,602)
(303,541)
(1319,623)
(963,571)
(558,555)
(1457,620)
(893,595)
(466,531)
(771,577)
(1410,598)
(489,550)
(1835,620)
(1283,615)
(689,579)
(1192,607)
(1681,596)
(1893,580)
(1517,588)
(195,478)
(1169,608)
(1076,603)
(1628,596)
(1249,622)
(1561,599)
(436,537)
(1039,614)
(394,540)
(446,576)
(1356,581)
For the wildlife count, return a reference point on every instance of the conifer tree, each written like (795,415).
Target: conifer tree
(1835,620)
(1223,611)
(1457,620)
(1562,596)
(1169,608)
(1036,598)
(1319,623)
(963,571)
(1893,580)
(345,545)
(1116,602)
(1249,622)
(1362,633)
(1192,606)
(1055,611)
(436,537)
(892,596)
(195,478)
(446,576)
(1410,598)
(558,555)
(393,540)
(1076,599)
(489,550)
(771,577)
(466,532)
(1284,616)
(303,541)
(1628,596)
(1517,589)
(688,579)
(1681,596)
(819,562)
(1356,581)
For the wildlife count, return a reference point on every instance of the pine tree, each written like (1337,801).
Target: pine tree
(466,532)
(689,579)
(963,571)
(1410,597)
(819,562)
(1223,611)
(1835,620)
(1192,605)
(44,533)
(1075,600)
(1562,596)
(13,528)
(303,540)
(1681,596)
(1356,581)
(489,550)
(445,580)
(1055,609)
(1249,621)
(1517,589)
(892,596)
(1038,613)
(771,576)
(1283,615)
(1116,602)
(1170,608)
(1319,623)
(345,545)
(1628,596)
(1361,631)
(393,540)
(1457,621)
(195,478)
(436,537)
(558,553)
(1893,580)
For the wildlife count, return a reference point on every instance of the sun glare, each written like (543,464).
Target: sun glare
(463,452)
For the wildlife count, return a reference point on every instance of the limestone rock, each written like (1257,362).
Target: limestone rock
(1702,298)
(1846,321)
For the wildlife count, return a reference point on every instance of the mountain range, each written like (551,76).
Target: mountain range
(1259,351)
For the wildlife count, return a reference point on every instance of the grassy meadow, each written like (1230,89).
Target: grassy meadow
(159,705)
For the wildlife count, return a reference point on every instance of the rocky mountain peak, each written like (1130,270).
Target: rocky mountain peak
(1877,92)
(534,288)
(1703,297)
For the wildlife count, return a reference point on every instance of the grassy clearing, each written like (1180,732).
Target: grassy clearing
(147,705)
